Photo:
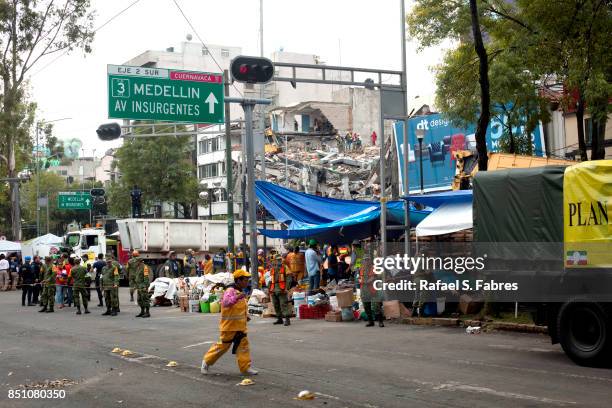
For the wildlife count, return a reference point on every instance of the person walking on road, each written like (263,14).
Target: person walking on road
(172,268)
(233,327)
(5,276)
(79,276)
(110,282)
(97,267)
(296,263)
(280,282)
(132,264)
(26,274)
(14,270)
(141,280)
(313,266)
(49,271)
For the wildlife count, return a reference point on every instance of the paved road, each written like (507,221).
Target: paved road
(346,364)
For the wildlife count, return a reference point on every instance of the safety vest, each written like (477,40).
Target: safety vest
(281,278)
(234,318)
(358,258)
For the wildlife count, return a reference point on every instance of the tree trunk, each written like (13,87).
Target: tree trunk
(485,97)
(598,150)
(512,148)
(580,124)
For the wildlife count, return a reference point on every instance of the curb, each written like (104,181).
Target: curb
(487,326)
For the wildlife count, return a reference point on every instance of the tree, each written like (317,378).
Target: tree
(29,32)
(51,184)
(160,166)
(433,21)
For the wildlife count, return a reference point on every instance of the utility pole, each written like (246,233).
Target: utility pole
(262,120)
(229,167)
(406,152)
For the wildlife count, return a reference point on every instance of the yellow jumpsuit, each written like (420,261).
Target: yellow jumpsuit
(233,321)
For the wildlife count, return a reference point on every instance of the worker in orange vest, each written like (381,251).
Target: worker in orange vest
(233,327)
(280,282)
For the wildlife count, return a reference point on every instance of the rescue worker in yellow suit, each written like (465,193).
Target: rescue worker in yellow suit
(233,327)
(261,267)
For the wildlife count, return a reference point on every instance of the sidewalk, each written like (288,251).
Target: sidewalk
(461,323)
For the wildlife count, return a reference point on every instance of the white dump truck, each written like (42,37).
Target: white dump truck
(155,238)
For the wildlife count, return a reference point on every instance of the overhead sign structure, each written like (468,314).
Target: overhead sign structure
(142,93)
(74,200)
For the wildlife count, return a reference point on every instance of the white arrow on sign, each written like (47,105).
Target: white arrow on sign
(211,101)
(87,202)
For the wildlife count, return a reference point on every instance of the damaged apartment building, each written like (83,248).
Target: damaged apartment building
(311,147)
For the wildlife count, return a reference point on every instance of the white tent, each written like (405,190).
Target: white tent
(9,246)
(448,218)
(49,239)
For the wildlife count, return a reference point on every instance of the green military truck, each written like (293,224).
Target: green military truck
(550,228)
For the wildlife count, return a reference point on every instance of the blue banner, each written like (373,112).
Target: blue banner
(440,141)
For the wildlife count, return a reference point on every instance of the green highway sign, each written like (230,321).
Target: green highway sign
(74,200)
(143,93)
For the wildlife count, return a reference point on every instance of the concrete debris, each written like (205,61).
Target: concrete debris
(323,166)
(64,382)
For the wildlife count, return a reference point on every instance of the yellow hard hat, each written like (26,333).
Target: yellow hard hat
(241,273)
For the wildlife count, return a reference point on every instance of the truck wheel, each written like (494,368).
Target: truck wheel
(585,333)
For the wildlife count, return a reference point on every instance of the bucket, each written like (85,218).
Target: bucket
(215,307)
(205,307)
(194,306)
(347,314)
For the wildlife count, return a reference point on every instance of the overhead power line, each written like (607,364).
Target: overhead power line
(202,41)
(95,31)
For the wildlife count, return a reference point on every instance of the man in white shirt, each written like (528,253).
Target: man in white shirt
(5,278)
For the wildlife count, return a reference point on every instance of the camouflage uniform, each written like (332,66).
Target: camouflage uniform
(141,280)
(118,266)
(79,274)
(47,298)
(110,279)
(131,270)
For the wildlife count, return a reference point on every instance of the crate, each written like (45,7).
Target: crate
(333,316)
(313,312)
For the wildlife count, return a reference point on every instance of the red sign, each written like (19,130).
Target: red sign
(196,77)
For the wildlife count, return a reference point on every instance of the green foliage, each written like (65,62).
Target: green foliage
(160,166)
(59,219)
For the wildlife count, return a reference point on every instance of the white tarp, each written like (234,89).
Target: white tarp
(9,246)
(50,239)
(163,286)
(447,218)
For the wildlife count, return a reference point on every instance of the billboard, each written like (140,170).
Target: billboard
(441,140)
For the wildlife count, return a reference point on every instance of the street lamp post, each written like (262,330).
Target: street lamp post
(420,133)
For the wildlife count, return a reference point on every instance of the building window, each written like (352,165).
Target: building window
(211,145)
(588,130)
(208,170)
(204,51)
(225,53)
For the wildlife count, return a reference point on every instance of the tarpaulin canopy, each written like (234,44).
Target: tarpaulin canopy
(9,246)
(49,239)
(447,218)
(329,219)
(446,197)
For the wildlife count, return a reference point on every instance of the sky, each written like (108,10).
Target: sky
(360,33)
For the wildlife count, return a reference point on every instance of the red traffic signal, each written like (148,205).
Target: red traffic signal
(252,70)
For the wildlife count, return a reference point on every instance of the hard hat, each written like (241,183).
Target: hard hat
(135,253)
(312,242)
(356,242)
(76,258)
(260,251)
(28,258)
(241,273)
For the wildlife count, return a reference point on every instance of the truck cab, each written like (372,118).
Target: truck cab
(87,242)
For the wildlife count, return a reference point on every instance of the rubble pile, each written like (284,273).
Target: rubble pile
(325,166)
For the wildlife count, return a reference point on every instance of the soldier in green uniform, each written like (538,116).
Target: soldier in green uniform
(131,271)
(47,299)
(141,280)
(280,283)
(110,284)
(79,274)
(117,265)
(371,298)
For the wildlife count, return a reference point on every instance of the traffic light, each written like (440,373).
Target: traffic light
(252,70)
(109,131)
(97,192)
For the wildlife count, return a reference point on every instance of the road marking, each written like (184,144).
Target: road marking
(457,386)
(199,344)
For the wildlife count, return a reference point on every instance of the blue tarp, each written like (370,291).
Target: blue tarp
(437,199)
(328,219)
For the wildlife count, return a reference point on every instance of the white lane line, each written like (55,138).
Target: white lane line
(457,386)
(199,344)
(484,390)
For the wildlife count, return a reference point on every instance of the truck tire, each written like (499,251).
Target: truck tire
(585,332)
